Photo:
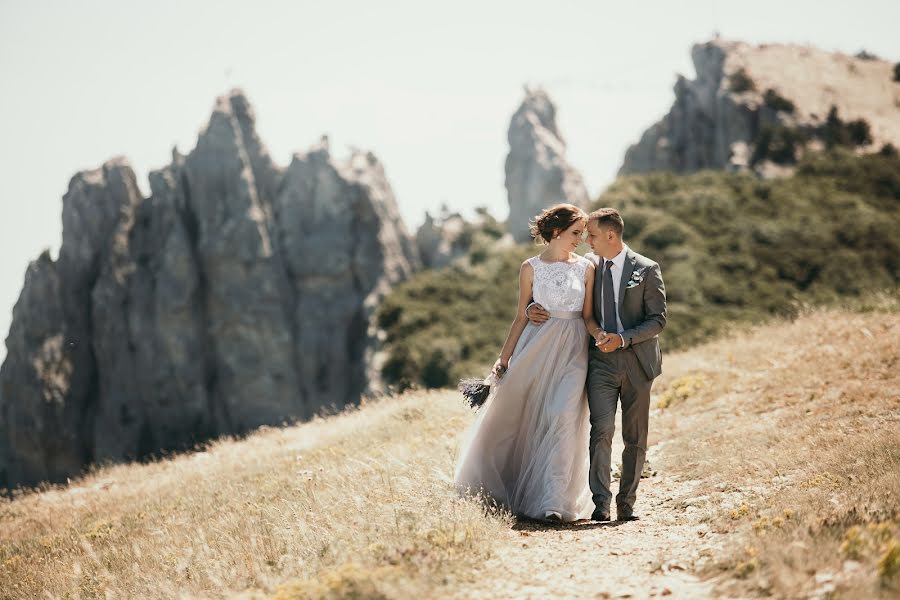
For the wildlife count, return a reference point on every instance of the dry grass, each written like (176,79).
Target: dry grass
(793,432)
(788,438)
(359,503)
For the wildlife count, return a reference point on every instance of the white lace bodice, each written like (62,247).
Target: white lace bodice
(559,285)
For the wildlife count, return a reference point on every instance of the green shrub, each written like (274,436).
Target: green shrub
(859,133)
(836,132)
(740,81)
(777,102)
(778,144)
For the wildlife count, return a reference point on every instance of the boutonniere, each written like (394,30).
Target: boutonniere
(637,277)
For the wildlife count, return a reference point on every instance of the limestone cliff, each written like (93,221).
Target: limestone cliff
(238,294)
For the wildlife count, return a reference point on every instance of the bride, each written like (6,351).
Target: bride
(528,447)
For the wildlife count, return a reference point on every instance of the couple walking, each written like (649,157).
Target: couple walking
(585,337)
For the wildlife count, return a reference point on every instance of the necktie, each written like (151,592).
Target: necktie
(609,300)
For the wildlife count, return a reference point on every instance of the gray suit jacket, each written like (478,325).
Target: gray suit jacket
(642,309)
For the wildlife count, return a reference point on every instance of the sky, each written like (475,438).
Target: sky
(428,87)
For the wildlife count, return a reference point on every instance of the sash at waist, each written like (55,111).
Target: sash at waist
(565,314)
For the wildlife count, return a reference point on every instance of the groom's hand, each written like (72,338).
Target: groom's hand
(607,342)
(536,313)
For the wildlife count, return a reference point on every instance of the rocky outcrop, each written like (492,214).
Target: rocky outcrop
(441,240)
(238,294)
(340,266)
(537,173)
(754,106)
(40,433)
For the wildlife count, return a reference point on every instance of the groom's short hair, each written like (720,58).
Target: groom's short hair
(608,217)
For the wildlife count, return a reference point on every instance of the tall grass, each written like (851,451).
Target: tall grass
(794,433)
(360,501)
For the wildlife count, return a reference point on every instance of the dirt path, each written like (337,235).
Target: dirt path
(651,557)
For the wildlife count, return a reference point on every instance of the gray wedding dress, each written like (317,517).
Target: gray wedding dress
(528,447)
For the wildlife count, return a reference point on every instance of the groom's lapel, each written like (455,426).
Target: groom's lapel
(627,268)
(598,280)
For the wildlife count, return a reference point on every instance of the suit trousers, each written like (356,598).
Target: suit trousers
(613,377)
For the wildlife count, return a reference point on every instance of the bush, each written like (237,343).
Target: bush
(897,72)
(859,132)
(778,144)
(740,81)
(664,234)
(836,132)
(777,102)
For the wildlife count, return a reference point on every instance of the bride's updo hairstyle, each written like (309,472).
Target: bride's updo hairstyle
(555,220)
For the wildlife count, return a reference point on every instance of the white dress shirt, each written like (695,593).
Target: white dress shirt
(618,263)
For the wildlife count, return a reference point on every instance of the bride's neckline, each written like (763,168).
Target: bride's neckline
(558,262)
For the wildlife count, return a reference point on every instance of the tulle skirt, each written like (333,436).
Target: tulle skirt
(528,446)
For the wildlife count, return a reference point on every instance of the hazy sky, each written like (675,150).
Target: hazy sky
(428,87)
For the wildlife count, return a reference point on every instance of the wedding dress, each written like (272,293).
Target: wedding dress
(528,447)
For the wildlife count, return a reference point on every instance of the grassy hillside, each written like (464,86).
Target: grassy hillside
(733,249)
(357,503)
(791,435)
(777,450)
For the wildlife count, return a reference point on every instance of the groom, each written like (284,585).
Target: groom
(629,299)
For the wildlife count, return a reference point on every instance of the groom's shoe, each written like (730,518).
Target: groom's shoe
(600,515)
(625,513)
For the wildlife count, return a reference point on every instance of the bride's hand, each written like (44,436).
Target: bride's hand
(500,366)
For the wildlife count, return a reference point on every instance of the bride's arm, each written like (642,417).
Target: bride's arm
(526,278)
(587,311)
